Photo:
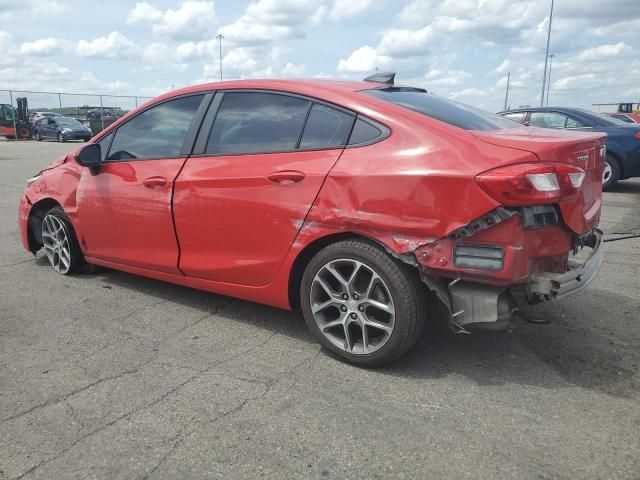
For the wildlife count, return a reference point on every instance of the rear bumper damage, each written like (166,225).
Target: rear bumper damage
(476,306)
(547,285)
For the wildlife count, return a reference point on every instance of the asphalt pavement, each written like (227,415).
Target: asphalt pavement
(113,376)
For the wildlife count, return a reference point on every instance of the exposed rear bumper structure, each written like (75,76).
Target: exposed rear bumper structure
(547,286)
(475,306)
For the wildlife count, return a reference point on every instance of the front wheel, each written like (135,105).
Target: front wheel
(611,172)
(60,243)
(37,136)
(361,303)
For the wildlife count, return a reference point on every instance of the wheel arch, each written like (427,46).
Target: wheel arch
(618,158)
(34,224)
(308,252)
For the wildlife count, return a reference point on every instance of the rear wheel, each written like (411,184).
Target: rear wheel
(611,172)
(60,243)
(361,303)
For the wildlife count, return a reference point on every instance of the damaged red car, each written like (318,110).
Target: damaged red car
(360,203)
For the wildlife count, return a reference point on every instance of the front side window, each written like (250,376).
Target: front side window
(105,143)
(548,120)
(158,132)
(326,127)
(253,122)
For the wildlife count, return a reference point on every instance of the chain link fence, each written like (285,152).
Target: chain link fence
(94,110)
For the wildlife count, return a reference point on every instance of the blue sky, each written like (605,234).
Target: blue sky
(460,49)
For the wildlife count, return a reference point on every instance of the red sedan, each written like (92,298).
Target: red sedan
(360,203)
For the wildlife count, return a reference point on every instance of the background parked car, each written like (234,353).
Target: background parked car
(623,139)
(61,129)
(33,116)
(626,117)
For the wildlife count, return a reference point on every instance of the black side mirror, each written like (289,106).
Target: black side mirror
(90,156)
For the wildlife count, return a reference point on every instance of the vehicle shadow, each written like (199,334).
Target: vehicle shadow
(576,348)
(626,186)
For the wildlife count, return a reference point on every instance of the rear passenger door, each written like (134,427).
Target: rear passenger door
(258,164)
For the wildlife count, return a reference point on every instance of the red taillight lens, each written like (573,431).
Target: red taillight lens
(637,134)
(532,183)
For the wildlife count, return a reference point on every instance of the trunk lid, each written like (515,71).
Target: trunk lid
(583,149)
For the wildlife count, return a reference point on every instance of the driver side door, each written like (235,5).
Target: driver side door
(125,209)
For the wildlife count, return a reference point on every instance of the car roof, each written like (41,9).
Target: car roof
(547,109)
(325,89)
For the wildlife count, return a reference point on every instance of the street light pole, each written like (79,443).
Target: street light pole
(546,57)
(220,37)
(549,81)
(506,95)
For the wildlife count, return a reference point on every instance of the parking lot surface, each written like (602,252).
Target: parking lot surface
(110,376)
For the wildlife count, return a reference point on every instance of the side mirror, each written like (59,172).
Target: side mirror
(90,156)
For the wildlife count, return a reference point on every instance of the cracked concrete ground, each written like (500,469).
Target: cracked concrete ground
(111,376)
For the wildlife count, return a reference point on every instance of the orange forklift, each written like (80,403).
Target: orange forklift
(14,123)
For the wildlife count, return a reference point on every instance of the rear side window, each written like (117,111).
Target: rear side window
(624,118)
(158,132)
(249,122)
(326,127)
(448,111)
(574,123)
(364,132)
(548,120)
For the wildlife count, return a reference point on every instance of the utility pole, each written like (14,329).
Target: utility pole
(546,57)
(549,81)
(220,37)
(506,95)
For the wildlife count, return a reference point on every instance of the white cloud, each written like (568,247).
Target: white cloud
(406,43)
(144,12)
(114,45)
(44,46)
(501,69)
(343,9)
(266,21)
(364,59)
(596,54)
(193,20)
(468,93)
(443,77)
(5,40)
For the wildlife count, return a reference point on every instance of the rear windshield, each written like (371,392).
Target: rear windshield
(448,111)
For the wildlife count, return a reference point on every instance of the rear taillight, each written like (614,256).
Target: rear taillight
(637,134)
(532,183)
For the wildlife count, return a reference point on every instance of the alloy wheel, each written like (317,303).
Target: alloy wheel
(607,172)
(352,306)
(57,244)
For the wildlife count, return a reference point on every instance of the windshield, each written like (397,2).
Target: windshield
(454,113)
(68,121)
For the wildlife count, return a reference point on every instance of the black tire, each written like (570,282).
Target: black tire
(405,288)
(37,136)
(615,174)
(61,138)
(77,259)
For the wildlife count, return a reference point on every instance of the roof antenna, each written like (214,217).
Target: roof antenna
(384,77)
